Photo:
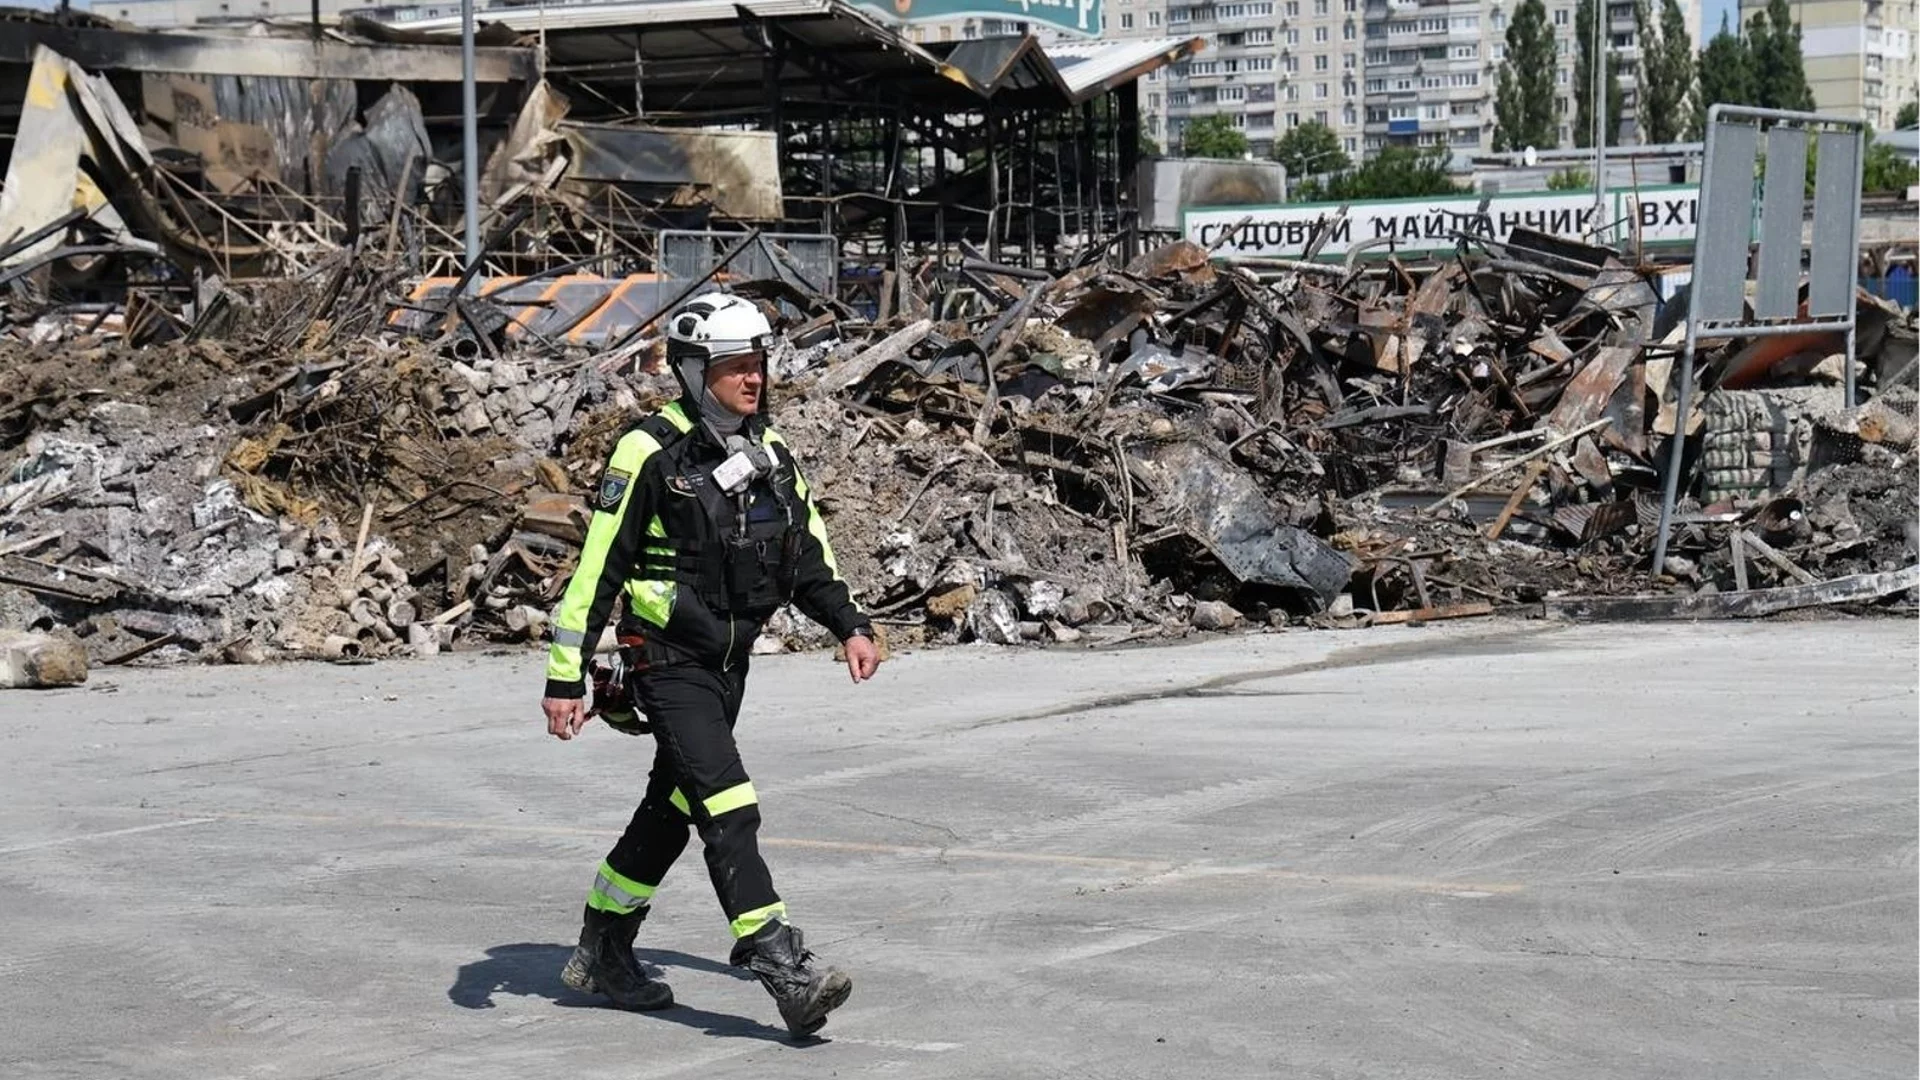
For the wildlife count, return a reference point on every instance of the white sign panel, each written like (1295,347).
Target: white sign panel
(1413,226)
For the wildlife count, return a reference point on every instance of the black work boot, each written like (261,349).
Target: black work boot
(804,993)
(604,963)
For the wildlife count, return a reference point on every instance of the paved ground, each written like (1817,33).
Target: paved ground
(1684,852)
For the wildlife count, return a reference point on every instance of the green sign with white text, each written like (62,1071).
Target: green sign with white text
(1071,16)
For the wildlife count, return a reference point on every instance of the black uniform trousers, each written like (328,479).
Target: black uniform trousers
(698,779)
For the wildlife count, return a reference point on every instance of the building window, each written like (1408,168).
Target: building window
(1293,93)
(1348,116)
(1376,115)
(1233,93)
(1433,26)
(1346,32)
(1349,143)
(1153,101)
(1293,37)
(1293,119)
(1466,52)
(1320,62)
(1402,86)
(1259,63)
(1230,67)
(1400,112)
(1320,117)
(1126,20)
(1499,51)
(1293,9)
(1561,77)
(1319,7)
(1320,35)
(1432,112)
(1461,79)
(1376,86)
(1262,36)
(1560,17)
(1153,17)
(1177,97)
(1177,16)
(1431,82)
(1319,91)
(1376,56)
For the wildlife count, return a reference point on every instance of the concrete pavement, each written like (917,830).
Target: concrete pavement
(1454,851)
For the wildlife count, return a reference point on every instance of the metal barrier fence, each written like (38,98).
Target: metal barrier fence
(1725,241)
(809,261)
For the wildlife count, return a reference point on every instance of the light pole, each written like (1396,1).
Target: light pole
(1601,94)
(470,130)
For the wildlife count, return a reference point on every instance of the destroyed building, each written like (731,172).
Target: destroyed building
(256,402)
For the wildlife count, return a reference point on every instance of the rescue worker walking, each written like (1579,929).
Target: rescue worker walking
(703,527)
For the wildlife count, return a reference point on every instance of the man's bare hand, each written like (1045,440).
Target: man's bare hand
(863,657)
(565,716)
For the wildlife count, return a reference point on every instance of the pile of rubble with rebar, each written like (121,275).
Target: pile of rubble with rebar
(1111,453)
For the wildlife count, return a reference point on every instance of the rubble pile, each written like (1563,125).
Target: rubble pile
(1107,454)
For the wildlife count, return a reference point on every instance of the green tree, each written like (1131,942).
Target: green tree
(1726,76)
(1148,147)
(1780,73)
(1883,170)
(1666,74)
(1526,112)
(1397,172)
(1909,115)
(1213,137)
(1583,60)
(1311,148)
(1570,178)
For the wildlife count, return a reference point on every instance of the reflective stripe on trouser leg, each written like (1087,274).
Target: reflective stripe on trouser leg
(750,922)
(731,799)
(617,893)
(679,800)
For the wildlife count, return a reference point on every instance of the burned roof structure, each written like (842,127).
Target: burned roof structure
(896,149)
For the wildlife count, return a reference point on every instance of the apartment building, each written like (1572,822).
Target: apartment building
(1859,54)
(1378,72)
(1268,65)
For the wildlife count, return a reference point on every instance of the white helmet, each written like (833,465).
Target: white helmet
(713,326)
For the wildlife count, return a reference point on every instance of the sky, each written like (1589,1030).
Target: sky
(1710,13)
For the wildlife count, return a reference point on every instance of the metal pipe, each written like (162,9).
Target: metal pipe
(1850,400)
(1671,491)
(470,139)
(1602,94)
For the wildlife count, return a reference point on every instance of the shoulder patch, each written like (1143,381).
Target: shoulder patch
(613,487)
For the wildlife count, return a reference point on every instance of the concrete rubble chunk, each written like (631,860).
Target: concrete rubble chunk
(40,661)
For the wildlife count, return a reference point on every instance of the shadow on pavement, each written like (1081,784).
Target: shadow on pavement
(533,970)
